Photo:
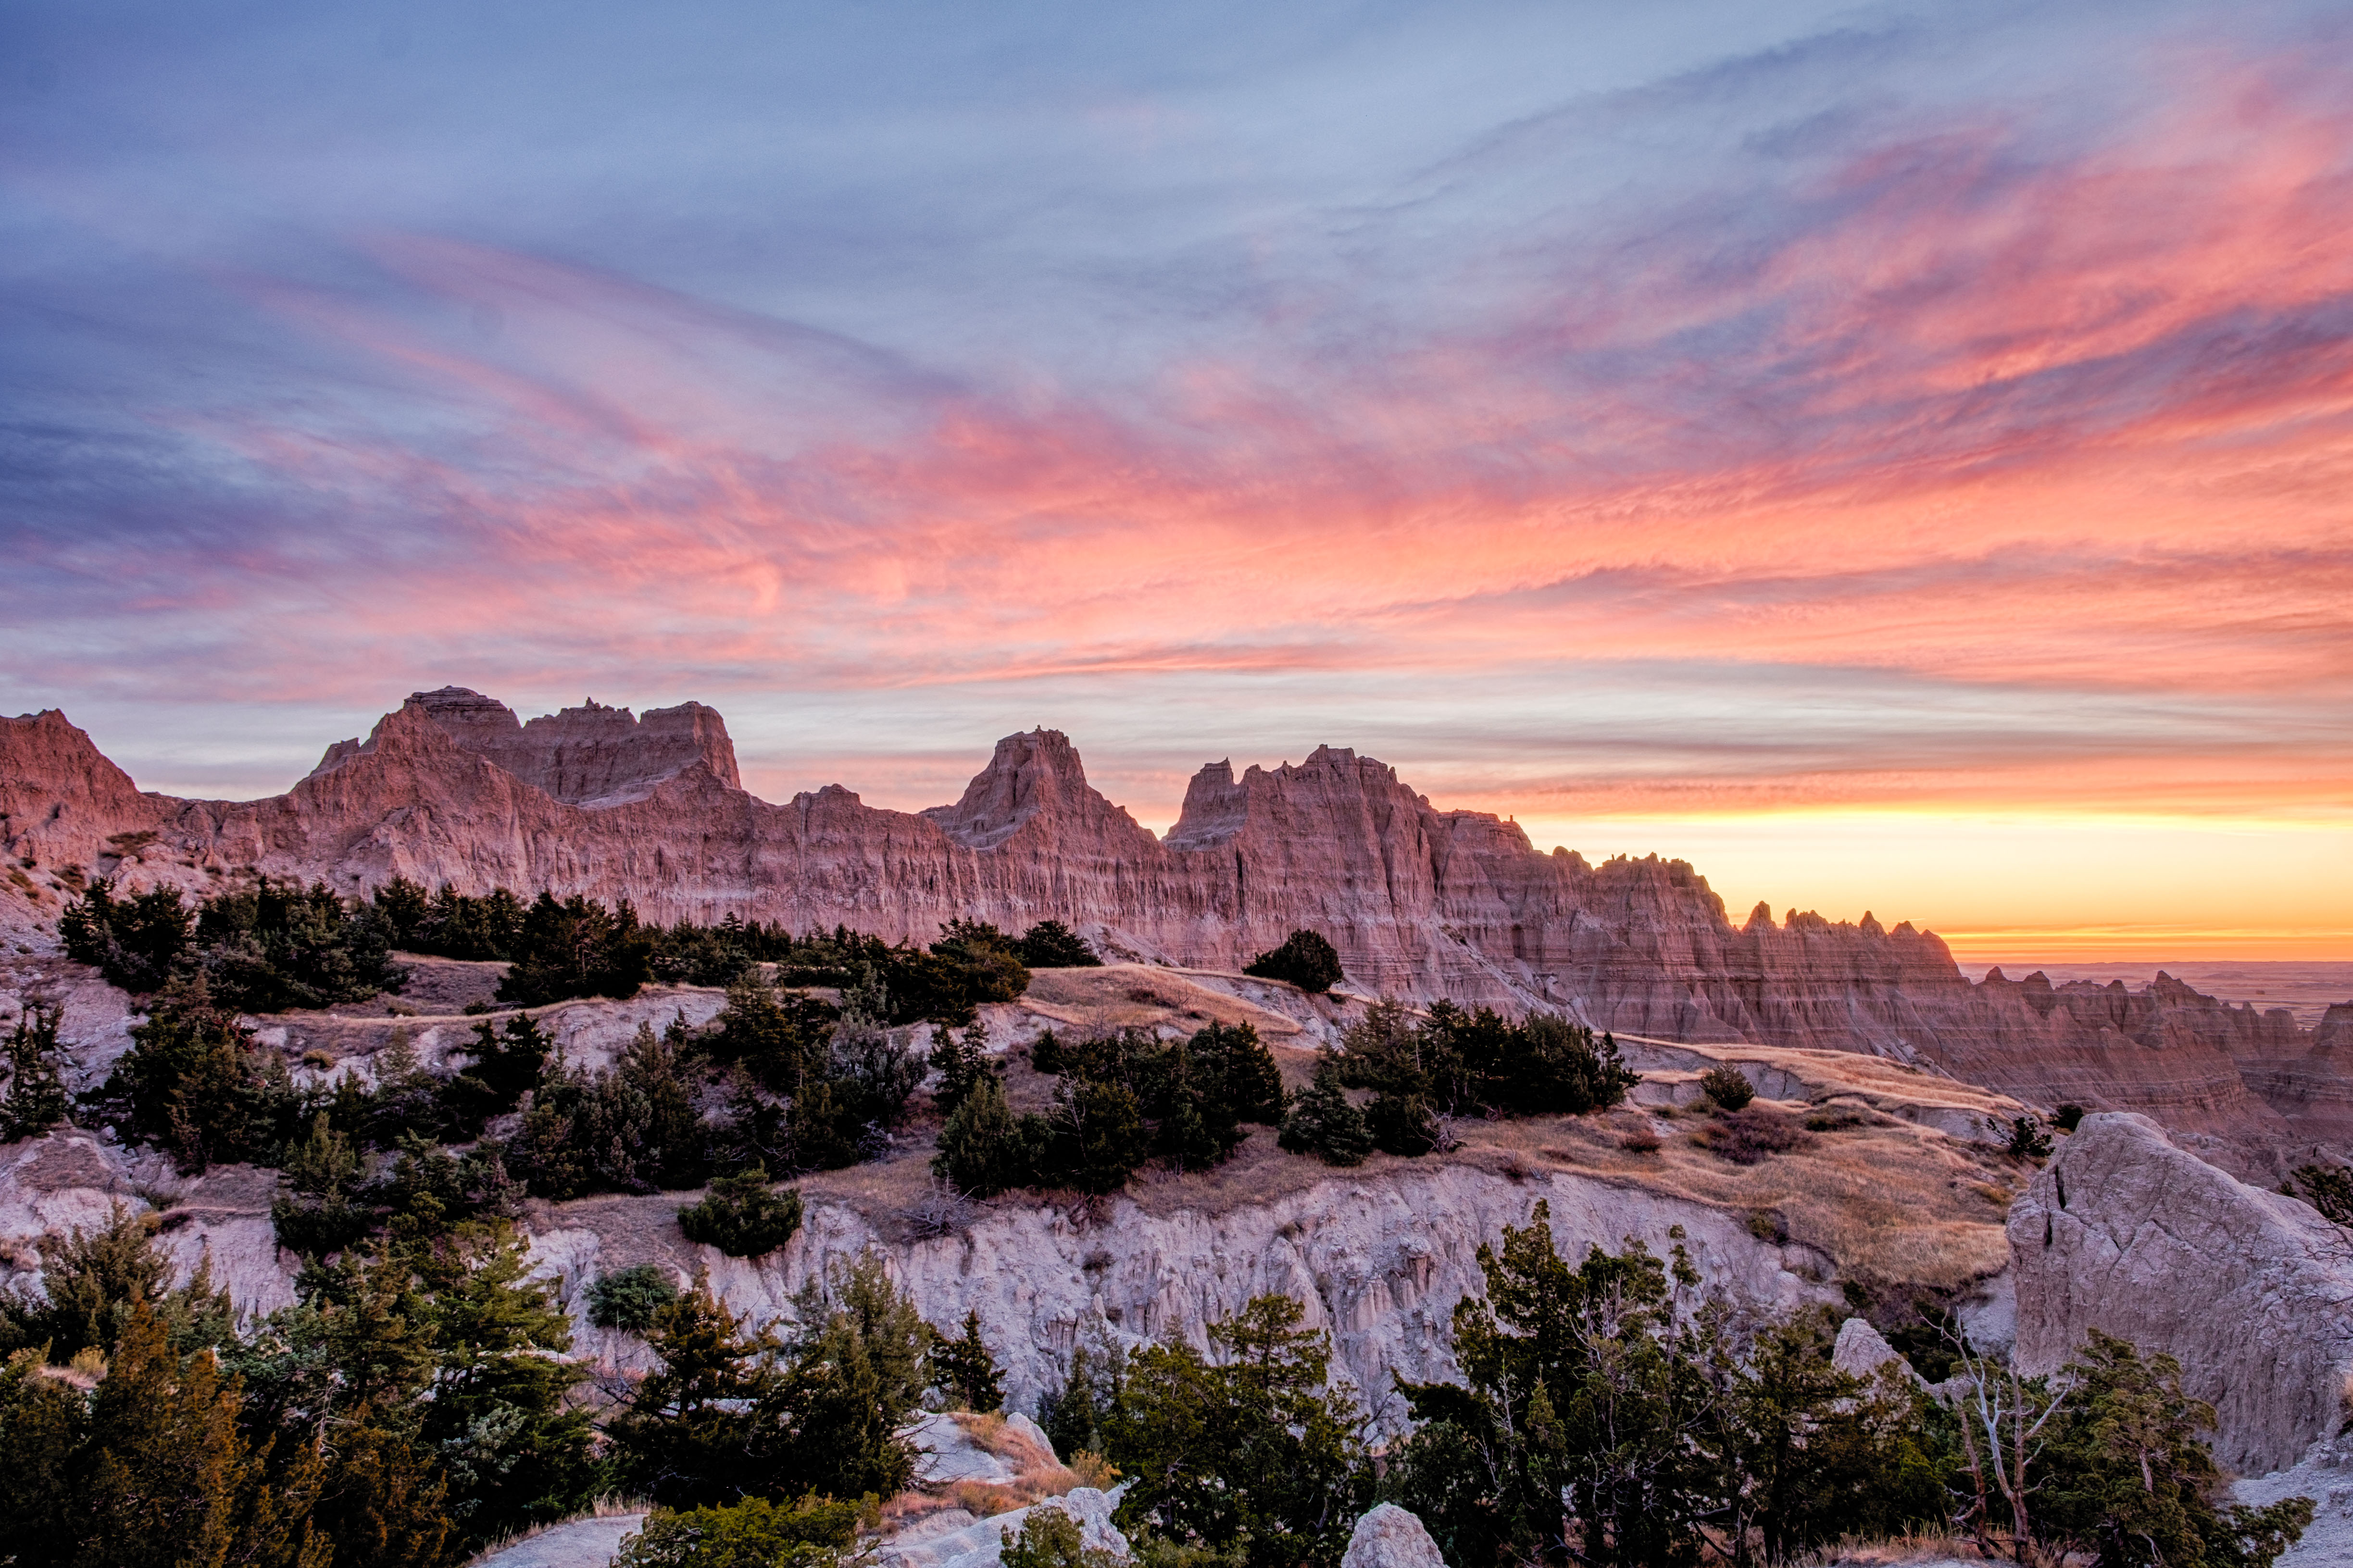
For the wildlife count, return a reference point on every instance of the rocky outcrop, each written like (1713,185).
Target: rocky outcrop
(2251,1291)
(981,1544)
(1390,1537)
(1380,1262)
(1421,902)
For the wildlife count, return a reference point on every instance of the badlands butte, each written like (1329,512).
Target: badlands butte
(2154,1220)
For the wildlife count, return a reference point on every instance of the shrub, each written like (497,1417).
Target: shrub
(627,1300)
(1050,944)
(2328,1188)
(1642,1140)
(2067,1118)
(1750,1135)
(743,1215)
(813,1532)
(1324,1123)
(1401,1124)
(1304,959)
(1050,1538)
(2024,1138)
(1727,1086)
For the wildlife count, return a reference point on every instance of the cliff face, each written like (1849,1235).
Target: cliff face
(2253,1292)
(1421,902)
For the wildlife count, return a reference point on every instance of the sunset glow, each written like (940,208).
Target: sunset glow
(1891,458)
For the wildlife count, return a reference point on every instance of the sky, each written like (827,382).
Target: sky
(1892,456)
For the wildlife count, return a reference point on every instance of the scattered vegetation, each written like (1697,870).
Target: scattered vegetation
(1751,1136)
(419,1399)
(1120,1101)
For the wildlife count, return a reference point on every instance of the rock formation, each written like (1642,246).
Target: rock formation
(589,755)
(2251,1291)
(1390,1537)
(453,788)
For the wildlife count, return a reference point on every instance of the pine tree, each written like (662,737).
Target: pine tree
(983,1148)
(499,1417)
(1324,1123)
(962,1369)
(711,1425)
(962,1061)
(855,1376)
(36,1097)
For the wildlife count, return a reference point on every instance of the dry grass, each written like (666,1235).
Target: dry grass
(1893,1551)
(1036,1476)
(606,1506)
(1142,996)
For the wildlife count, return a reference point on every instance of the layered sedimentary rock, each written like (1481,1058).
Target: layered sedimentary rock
(452,788)
(2251,1291)
(589,755)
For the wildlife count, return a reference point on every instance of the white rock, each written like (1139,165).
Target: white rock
(2251,1291)
(982,1545)
(1389,1537)
(1861,1352)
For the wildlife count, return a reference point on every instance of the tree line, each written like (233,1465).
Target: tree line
(277,945)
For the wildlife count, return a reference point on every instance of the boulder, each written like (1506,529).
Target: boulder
(1389,1537)
(2250,1290)
(1861,1352)
(982,1544)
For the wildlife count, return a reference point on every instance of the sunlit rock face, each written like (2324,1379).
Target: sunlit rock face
(1420,903)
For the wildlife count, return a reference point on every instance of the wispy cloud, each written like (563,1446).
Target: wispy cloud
(1922,409)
